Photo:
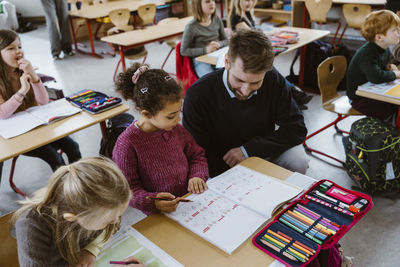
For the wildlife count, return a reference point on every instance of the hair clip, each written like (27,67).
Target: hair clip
(167,78)
(138,72)
(144,90)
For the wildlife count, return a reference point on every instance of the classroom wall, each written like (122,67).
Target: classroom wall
(28,8)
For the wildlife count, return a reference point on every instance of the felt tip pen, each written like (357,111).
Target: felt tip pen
(169,199)
(123,262)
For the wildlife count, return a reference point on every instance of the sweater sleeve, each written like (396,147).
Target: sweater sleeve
(124,155)
(8,107)
(34,243)
(291,130)
(196,157)
(223,40)
(375,73)
(96,245)
(187,46)
(41,94)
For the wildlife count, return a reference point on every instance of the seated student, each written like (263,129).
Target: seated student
(246,109)
(203,35)
(21,88)
(157,155)
(371,63)
(67,222)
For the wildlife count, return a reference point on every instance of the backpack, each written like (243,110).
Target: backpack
(316,52)
(115,126)
(373,156)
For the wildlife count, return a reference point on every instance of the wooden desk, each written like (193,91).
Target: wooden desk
(147,35)
(46,134)
(192,250)
(307,36)
(91,12)
(379,97)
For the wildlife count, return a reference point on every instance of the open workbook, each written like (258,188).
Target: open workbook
(389,89)
(33,117)
(235,205)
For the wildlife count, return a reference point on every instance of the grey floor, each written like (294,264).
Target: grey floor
(373,241)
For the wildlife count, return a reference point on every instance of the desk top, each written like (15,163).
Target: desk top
(380,97)
(367,2)
(192,250)
(102,10)
(149,34)
(306,36)
(46,134)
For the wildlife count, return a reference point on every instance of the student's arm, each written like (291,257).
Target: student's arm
(40,92)
(291,131)
(8,107)
(96,245)
(195,156)
(223,40)
(125,157)
(375,73)
(187,46)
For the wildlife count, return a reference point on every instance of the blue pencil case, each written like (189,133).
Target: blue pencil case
(313,222)
(93,101)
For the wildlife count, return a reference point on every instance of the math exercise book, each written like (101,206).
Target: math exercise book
(389,89)
(235,205)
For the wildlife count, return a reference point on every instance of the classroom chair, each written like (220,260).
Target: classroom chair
(171,42)
(184,69)
(330,73)
(318,11)
(146,14)
(354,15)
(8,244)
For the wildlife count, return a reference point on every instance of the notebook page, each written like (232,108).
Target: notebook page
(129,242)
(391,89)
(53,110)
(18,124)
(254,190)
(218,220)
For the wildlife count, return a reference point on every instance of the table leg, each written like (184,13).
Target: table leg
(103,128)
(91,40)
(73,33)
(13,186)
(122,56)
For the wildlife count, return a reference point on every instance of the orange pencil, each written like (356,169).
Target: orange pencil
(278,250)
(287,240)
(297,242)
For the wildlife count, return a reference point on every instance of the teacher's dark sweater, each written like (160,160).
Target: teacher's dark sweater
(368,65)
(219,123)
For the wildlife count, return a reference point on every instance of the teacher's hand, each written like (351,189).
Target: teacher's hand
(234,157)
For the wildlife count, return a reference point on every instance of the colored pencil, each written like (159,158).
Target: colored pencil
(289,249)
(281,248)
(300,231)
(169,199)
(303,226)
(311,222)
(287,255)
(324,203)
(316,214)
(288,241)
(297,242)
(323,220)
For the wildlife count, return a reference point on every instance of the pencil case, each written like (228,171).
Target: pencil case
(93,101)
(315,221)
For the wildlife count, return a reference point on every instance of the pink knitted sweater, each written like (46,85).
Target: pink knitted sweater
(161,161)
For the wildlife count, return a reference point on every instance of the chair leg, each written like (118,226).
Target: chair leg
(309,149)
(13,186)
(341,35)
(165,61)
(116,70)
(337,31)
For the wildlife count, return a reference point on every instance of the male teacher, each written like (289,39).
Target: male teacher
(246,109)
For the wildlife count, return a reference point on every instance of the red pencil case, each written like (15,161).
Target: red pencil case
(314,217)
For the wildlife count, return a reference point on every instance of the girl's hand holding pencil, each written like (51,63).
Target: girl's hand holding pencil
(130,261)
(166,202)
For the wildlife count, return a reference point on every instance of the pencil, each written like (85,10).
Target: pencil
(288,241)
(297,242)
(289,249)
(293,258)
(169,199)
(123,262)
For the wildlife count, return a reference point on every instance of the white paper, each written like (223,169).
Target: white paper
(254,190)
(220,55)
(301,180)
(220,221)
(33,117)
(129,242)
(381,88)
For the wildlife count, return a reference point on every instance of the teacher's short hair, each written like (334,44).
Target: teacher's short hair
(254,48)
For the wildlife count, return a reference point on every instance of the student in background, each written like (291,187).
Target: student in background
(371,63)
(203,35)
(56,13)
(21,88)
(157,155)
(68,222)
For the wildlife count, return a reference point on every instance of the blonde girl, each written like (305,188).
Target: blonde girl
(203,35)
(68,221)
(157,155)
(241,14)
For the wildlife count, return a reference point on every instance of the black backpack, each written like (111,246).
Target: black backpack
(373,156)
(115,126)
(316,52)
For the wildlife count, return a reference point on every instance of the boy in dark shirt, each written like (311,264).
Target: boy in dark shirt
(370,63)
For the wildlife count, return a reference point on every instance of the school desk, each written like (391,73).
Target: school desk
(154,33)
(43,135)
(306,36)
(384,98)
(92,12)
(194,251)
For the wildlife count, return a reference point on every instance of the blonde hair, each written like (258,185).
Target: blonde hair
(197,10)
(78,188)
(378,22)
(236,9)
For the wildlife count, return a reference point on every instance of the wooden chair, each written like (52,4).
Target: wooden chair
(120,19)
(8,244)
(146,14)
(318,11)
(330,73)
(354,15)
(171,42)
